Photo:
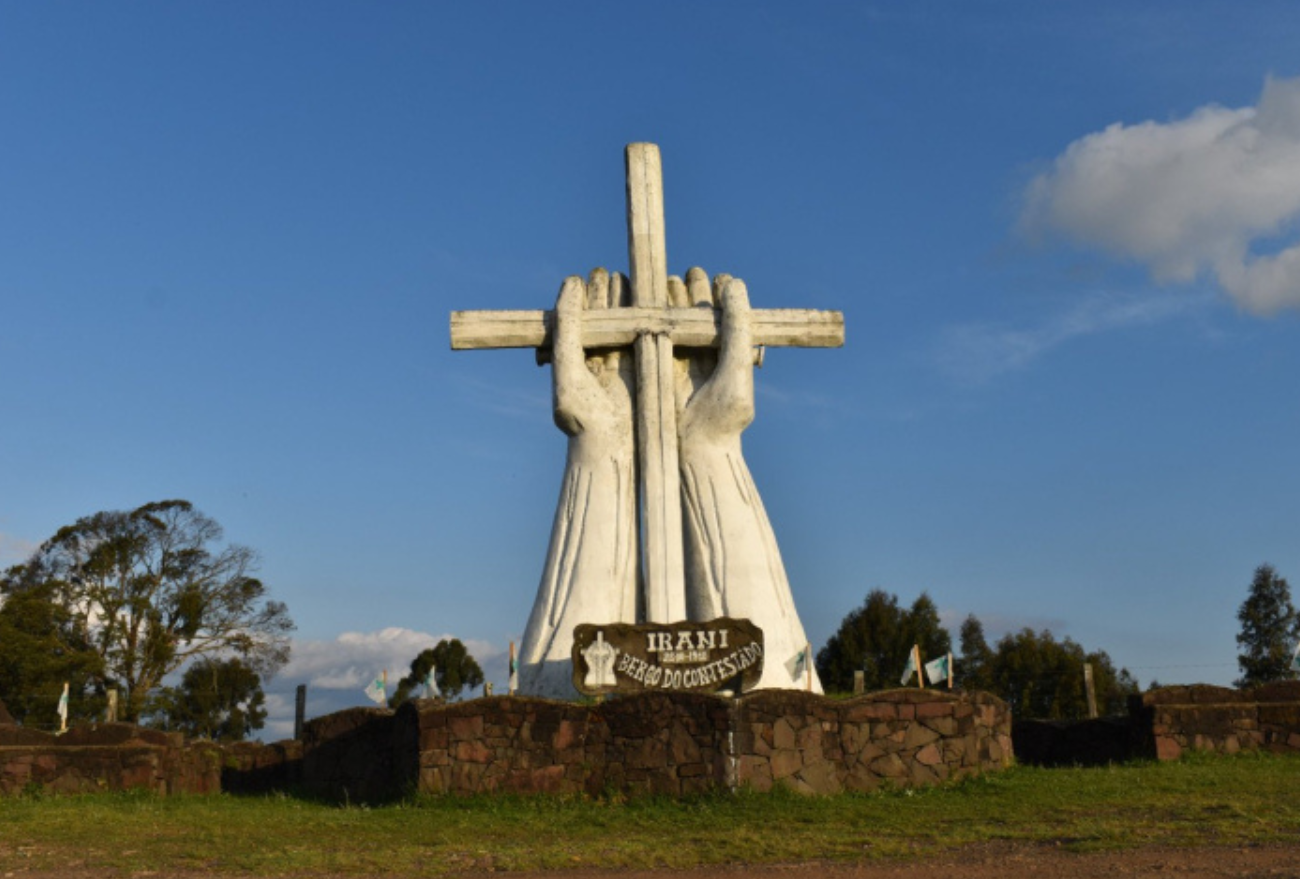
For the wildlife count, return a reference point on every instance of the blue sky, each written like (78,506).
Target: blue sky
(1063,237)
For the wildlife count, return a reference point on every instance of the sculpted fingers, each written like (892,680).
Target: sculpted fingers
(697,287)
(598,289)
(719,283)
(737,333)
(573,293)
(677,295)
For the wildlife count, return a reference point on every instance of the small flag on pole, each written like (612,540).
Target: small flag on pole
(939,670)
(377,689)
(797,664)
(909,669)
(514,670)
(63,709)
(431,690)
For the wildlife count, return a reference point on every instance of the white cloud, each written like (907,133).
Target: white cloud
(1208,193)
(975,353)
(336,671)
(351,660)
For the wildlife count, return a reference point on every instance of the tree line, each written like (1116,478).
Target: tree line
(127,601)
(120,601)
(1037,675)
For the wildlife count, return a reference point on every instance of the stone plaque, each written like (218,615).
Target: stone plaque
(702,657)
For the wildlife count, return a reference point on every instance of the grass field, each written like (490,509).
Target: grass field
(1250,798)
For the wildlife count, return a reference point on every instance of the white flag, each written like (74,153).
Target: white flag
(431,683)
(937,669)
(1295,658)
(910,668)
(376,690)
(797,665)
(63,706)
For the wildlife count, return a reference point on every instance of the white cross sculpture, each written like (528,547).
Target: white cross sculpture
(652,328)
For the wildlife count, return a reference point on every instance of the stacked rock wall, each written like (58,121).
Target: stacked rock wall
(903,738)
(658,743)
(651,743)
(108,757)
(1172,720)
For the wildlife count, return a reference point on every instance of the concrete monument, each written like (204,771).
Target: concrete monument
(653,384)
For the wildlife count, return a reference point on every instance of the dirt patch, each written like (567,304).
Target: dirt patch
(999,861)
(993,861)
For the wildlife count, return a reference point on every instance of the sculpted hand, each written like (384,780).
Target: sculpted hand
(592,388)
(715,390)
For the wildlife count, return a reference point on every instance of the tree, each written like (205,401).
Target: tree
(454,668)
(1042,678)
(974,666)
(41,649)
(151,589)
(218,699)
(1270,628)
(877,638)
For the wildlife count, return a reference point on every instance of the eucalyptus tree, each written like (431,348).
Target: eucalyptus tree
(1270,628)
(153,588)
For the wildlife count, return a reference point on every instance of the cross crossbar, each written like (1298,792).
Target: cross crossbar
(697,327)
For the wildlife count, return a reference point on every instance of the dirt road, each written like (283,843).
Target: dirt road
(1000,861)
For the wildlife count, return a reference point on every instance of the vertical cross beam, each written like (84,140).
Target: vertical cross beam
(656,410)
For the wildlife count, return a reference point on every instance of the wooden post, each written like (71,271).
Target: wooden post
(1089,689)
(299,711)
(859,682)
(949,669)
(920,669)
(110,712)
(512,679)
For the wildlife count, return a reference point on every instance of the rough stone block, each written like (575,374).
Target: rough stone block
(466,726)
(821,777)
(917,735)
(889,766)
(785,763)
(783,734)
(929,755)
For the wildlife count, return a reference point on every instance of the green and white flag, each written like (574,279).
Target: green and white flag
(937,669)
(909,669)
(376,690)
(63,707)
(514,674)
(797,665)
(431,690)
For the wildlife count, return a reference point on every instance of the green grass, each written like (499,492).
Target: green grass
(1247,799)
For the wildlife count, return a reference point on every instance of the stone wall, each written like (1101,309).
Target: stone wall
(651,743)
(106,757)
(255,768)
(904,738)
(658,743)
(1172,720)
